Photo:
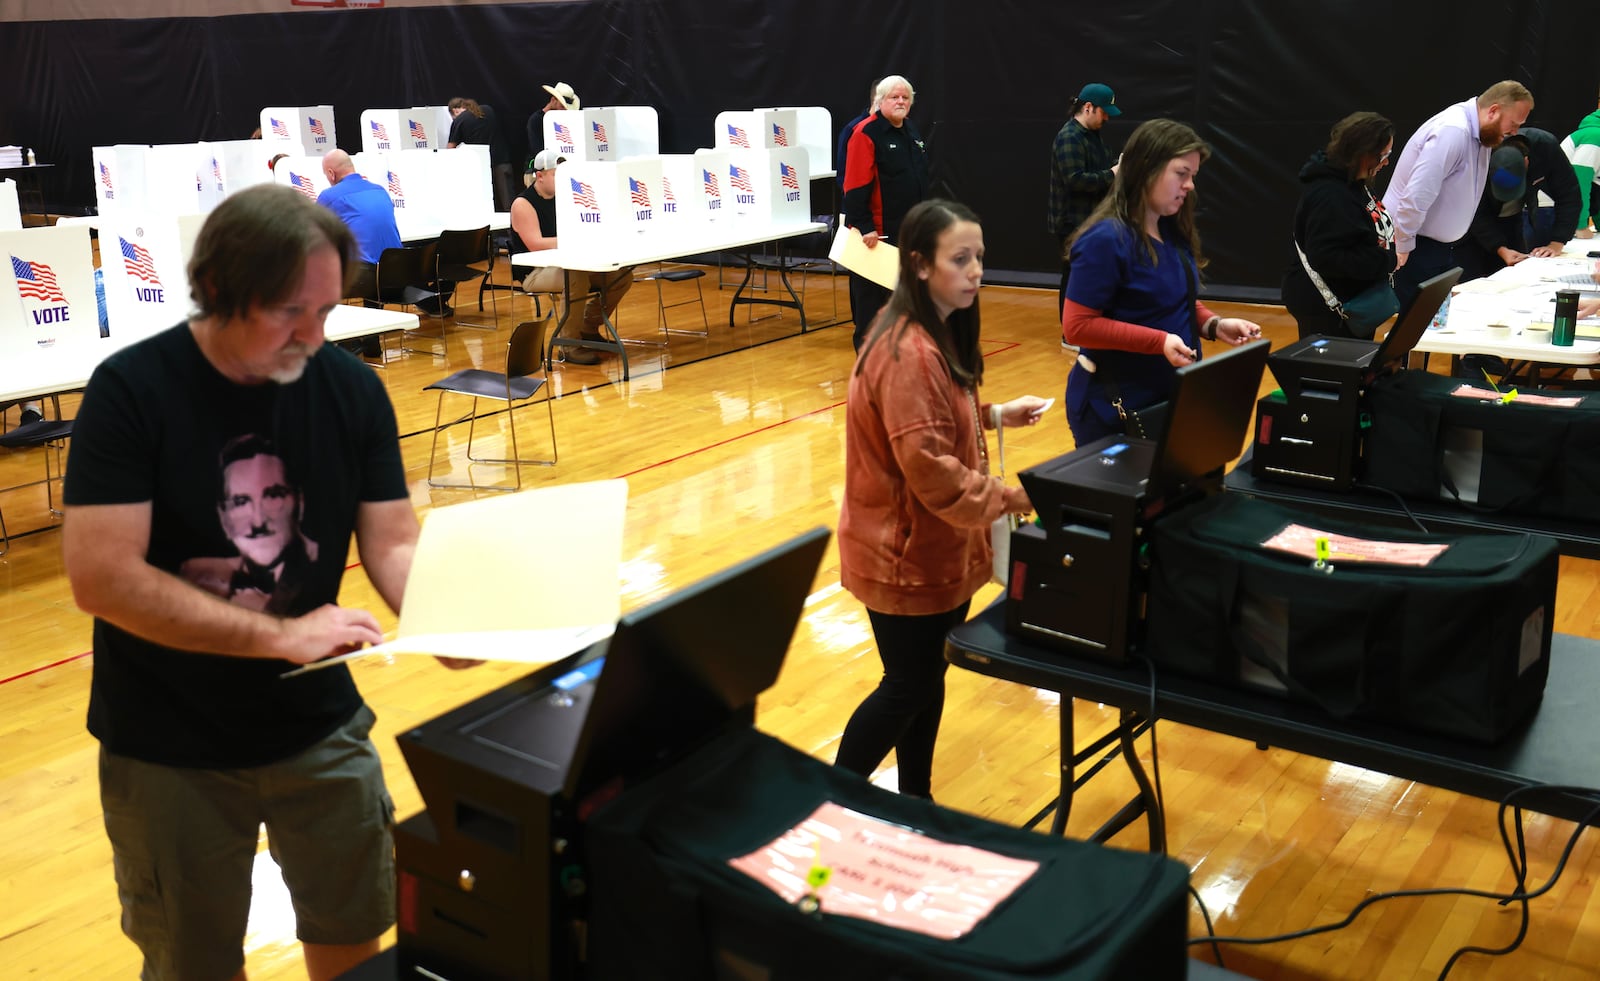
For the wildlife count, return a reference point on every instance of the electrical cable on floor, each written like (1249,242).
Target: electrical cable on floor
(1515,854)
(1161,804)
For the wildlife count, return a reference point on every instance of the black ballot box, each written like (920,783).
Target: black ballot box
(492,877)
(1077,571)
(1308,433)
(1075,576)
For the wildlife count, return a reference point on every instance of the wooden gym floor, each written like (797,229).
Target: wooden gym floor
(736,448)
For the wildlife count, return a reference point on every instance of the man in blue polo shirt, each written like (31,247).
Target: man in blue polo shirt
(367,209)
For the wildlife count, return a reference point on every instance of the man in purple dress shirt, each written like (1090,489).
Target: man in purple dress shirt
(1439,178)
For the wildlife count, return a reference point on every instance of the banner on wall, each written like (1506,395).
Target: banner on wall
(18,10)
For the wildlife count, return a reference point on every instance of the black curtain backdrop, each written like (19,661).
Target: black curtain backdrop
(1262,81)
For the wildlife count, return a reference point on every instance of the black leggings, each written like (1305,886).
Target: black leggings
(903,712)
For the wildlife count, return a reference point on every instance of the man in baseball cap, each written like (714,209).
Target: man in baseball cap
(1081,169)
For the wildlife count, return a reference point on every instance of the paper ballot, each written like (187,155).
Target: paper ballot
(880,264)
(528,577)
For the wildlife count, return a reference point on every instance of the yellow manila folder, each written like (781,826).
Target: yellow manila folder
(529,577)
(881,264)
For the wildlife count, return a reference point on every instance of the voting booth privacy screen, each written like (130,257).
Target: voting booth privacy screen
(48,310)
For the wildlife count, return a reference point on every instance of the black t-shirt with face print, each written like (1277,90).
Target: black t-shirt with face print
(254,491)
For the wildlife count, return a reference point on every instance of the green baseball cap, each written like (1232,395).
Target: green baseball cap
(1101,95)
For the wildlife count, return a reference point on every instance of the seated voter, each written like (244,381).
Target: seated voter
(368,210)
(533,222)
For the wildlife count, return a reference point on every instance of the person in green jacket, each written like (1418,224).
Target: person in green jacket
(1583,149)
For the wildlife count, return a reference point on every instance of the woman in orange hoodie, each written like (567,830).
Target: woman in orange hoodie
(919,499)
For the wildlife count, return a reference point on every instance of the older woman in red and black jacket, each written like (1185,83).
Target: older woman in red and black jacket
(886,172)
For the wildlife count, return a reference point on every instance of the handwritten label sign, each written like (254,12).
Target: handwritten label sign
(886,873)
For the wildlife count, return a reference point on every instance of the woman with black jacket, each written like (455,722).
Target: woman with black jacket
(1341,229)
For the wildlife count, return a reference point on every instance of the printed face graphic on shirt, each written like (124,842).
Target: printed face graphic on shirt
(259,510)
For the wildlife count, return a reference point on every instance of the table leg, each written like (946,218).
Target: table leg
(1069,756)
(1147,794)
(739,297)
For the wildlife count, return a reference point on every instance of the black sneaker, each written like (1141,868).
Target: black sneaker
(30,416)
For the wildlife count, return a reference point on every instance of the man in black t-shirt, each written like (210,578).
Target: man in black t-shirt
(239,438)
(533,221)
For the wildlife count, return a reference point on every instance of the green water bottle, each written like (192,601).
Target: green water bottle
(1565,326)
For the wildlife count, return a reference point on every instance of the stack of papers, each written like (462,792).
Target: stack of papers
(10,156)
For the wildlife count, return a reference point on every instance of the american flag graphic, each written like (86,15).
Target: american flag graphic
(583,194)
(136,260)
(711,184)
(105,178)
(563,135)
(216,172)
(666,190)
(394,186)
(780,136)
(380,131)
(36,281)
(737,137)
(278,129)
(739,178)
(638,193)
(599,133)
(316,127)
(788,176)
(303,185)
(417,132)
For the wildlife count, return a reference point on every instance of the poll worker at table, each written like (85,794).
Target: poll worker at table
(474,123)
(1582,147)
(369,212)
(1081,170)
(1342,231)
(1509,226)
(1132,307)
(201,740)
(918,497)
(1439,178)
(533,222)
(886,172)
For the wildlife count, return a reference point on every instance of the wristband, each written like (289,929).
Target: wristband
(1209,331)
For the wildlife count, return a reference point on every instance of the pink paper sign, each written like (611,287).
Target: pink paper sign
(1302,541)
(886,873)
(1527,398)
